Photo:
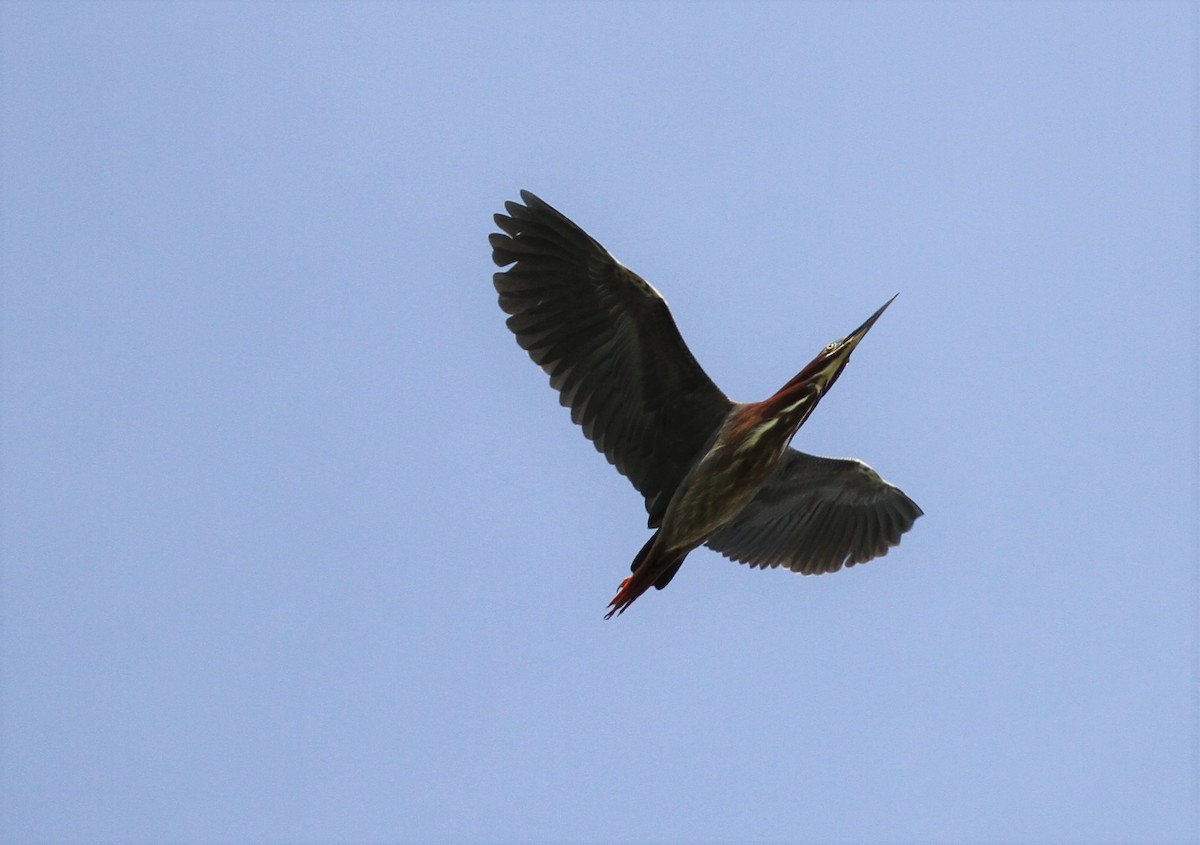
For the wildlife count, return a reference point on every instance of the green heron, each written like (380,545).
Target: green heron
(713,472)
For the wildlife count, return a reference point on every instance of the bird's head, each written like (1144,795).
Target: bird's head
(824,370)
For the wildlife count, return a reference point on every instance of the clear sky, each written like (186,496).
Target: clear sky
(298,546)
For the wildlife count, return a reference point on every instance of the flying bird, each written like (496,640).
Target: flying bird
(713,471)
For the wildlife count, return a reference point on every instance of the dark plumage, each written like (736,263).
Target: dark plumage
(611,348)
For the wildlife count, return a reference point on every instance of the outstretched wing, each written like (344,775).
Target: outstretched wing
(816,515)
(610,347)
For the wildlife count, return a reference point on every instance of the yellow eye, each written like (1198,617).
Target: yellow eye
(831,347)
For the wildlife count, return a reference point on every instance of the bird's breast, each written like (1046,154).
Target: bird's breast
(717,489)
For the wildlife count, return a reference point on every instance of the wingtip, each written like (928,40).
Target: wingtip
(530,198)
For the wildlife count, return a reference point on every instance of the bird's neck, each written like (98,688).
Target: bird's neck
(793,403)
(774,421)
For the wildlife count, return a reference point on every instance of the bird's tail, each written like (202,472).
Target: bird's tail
(650,569)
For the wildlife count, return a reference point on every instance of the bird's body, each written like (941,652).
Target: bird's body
(712,471)
(725,479)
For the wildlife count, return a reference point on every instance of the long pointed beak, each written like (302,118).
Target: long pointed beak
(851,340)
(824,370)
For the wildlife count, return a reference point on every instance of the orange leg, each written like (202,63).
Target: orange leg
(626,594)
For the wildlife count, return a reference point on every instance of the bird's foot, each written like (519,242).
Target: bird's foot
(622,599)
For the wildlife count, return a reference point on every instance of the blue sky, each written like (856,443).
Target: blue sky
(298,546)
